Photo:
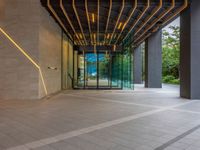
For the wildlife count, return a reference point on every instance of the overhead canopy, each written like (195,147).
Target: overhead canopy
(110,22)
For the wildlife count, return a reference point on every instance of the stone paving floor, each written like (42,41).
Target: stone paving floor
(143,119)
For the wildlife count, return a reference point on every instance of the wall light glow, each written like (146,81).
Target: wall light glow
(26,55)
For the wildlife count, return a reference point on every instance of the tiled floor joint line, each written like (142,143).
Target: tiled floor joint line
(115,101)
(174,140)
(187,111)
(75,133)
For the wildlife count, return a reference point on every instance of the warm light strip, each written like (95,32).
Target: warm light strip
(108,19)
(122,8)
(26,55)
(43,83)
(156,20)
(57,18)
(79,22)
(143,39)
(119,26)
(97,23)
(68,19)
(20,49)
(88,18)
(94,36)
(108,36)
(177,12)
(151,16)
(131,14)
(138,19)
(93,20)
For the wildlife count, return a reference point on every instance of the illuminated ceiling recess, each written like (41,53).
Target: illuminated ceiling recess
(110,22)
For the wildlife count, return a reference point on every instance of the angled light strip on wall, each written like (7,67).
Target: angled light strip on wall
(149,18)
(57,18)
(108,19)
(169,18)
(138,19)
(121,10)
(157,19)
(131,14)
(88,19)
(98,22)
(26,55)
(79,22)
(68,19)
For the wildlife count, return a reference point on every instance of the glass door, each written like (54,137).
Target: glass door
(91,70)
(104,70)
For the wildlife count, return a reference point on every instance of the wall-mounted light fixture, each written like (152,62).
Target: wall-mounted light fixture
(52,68)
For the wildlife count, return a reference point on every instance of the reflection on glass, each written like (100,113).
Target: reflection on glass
(104,70)
(116,70)
(91,69)
(104,65)
(80,71)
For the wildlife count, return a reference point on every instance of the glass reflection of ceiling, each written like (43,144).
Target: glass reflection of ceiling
(92,57)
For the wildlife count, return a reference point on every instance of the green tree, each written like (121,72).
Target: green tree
(171,52)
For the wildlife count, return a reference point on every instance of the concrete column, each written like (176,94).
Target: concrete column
(153,61)
(137,65)
(190,52)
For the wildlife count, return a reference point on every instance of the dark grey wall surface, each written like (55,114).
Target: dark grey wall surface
(137,65)
(153,61)
(190,52)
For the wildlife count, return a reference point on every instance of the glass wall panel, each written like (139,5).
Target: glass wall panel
(70,66)
(80,71)
(116,73)
(75,68)
(91,69)
(127,56)
(103,69)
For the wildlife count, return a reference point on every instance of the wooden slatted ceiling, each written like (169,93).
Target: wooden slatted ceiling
(109,22)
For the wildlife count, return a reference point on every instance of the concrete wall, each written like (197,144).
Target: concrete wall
(153,61)
(50,41)
(189,51)
(34,30)
(19,77)
(137,65)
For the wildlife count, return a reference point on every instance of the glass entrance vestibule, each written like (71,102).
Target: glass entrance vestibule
(103,69)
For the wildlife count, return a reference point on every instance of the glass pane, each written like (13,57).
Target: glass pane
(116,70)
(104,66)
(80,71)
(91,69)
